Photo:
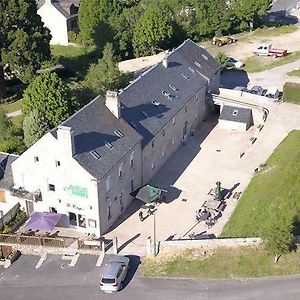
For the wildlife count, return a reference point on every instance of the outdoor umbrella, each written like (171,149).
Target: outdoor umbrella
(43,221)
(148,193)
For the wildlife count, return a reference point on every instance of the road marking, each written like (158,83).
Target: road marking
(74,260)
(41,260)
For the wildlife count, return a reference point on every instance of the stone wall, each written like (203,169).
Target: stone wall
(207,244)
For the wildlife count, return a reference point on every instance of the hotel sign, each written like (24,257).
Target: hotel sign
(77,190)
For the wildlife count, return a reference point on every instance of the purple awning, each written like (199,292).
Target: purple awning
(43,221)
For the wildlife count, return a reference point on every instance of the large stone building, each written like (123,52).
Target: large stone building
(87,167)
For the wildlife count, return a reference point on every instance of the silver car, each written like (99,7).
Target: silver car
(115,273)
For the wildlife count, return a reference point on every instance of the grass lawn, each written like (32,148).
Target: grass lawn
(261,63)
(291,92)
(243,262)
(12,106)
(17,121)
(274,31)
(276,186)
(294,73)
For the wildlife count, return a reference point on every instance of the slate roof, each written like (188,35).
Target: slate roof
(236,114)
(6,178)
(136,100)
(94,126)
(63,6)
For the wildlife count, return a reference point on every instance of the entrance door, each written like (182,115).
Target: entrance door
(72,219)
(29,208)
(2,196)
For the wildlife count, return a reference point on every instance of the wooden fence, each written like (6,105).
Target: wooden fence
(32,240)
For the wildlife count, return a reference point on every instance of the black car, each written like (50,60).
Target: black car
(257,89)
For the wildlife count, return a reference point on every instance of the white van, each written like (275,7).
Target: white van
(272,93)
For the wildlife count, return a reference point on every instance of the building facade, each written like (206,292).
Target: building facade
(60,17)
(87,168)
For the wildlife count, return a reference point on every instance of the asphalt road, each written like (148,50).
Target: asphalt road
(54,280)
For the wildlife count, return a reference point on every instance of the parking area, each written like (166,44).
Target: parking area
(212,154)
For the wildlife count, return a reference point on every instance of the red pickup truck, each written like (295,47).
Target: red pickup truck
(267,50)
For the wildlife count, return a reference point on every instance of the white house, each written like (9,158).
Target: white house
(60,16)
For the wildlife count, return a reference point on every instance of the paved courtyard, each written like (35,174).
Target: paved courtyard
(212,154)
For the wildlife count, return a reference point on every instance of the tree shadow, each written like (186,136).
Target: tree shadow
(279,18)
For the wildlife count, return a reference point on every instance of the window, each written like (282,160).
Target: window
(51,187)
(119,133)
(36,159)
(152,165)
(120,171)
(53,210)
(92,223)
(235,112)
(197,64)
(185,76)
(196,117)
(173,87)
(191,69)
(132,159)
(107,184)
(116,198)
(186,108)
(109,211)
(57,163)
(95,154)
(173,120)
(163,153)
(153,143)
(81,221)
(173,142)
(108,145)
(163,132)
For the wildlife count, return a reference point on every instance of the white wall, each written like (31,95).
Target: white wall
(235,126)
(56,22)
(38,175)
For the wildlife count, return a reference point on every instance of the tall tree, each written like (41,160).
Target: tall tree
(24,41)
(93,22)
(34,127)
(5,125)
(249,11)
(50,97)
(154,29)
(277,234)
(105,75)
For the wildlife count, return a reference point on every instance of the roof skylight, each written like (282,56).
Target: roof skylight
(95,154)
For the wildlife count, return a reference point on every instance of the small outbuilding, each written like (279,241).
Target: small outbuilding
(235,118)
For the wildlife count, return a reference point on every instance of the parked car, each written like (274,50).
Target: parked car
(257,90)
(115,273)
(240,88)
(273,93)
(232,63)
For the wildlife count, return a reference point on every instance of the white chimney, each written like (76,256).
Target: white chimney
(113,103)
(165,62)
(65,139)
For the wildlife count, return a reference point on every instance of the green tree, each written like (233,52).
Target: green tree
(249,11)
(5,125)
(153,30)
(105,75)
(277,234)
(222,59)
(34,127)
(50,97)
(24,41)
(93,24)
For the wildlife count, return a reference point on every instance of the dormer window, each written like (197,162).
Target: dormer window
(36,159)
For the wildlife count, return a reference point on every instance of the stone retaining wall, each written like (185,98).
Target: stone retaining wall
(207,244)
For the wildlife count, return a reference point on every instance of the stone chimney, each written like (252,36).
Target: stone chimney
(165,62)
(113,103)
(65,139)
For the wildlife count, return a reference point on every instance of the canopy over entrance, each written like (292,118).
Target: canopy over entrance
(43,221)
(148,194)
